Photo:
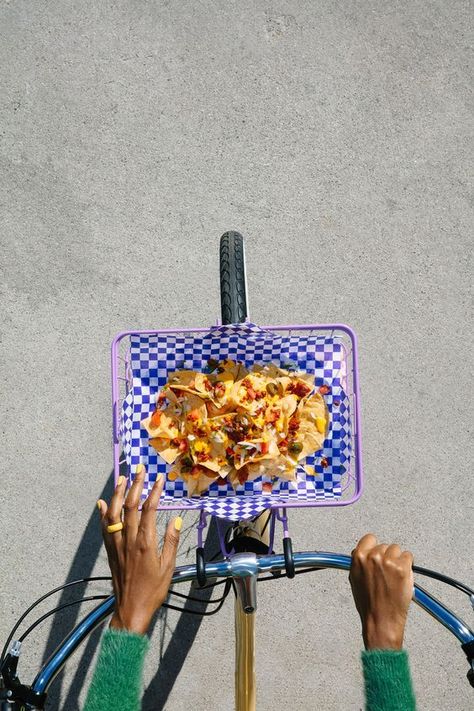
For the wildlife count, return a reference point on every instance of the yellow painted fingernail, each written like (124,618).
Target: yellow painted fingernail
(172,476)
(321,424)
(139,468)
(178,523)
(98,506)
(120,480)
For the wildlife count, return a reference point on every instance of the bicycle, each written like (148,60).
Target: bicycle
(247,545)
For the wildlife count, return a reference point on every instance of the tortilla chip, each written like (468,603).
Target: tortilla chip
(215,412)
(288,405)
(279,467)
(314,407)
(238,477)
(200,382)
(299,386)
(166,427)
(238,395)
(310,438)
(308,378)
(199,482)
(231,370)
(245,454)
(268,370)
(216,409)
(164,449)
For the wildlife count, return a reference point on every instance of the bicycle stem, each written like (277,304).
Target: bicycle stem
(242,570)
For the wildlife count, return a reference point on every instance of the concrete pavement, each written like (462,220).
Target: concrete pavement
(337,137)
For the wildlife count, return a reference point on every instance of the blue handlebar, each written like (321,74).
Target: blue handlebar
(223,569)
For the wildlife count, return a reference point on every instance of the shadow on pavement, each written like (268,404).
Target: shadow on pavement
(182,638)
(81,567)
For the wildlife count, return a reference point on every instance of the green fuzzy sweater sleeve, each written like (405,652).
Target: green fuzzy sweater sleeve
(117,681)
(387,680)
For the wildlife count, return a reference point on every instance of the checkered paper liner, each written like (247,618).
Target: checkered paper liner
(153,357)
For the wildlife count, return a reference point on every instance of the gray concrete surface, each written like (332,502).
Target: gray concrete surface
(337,138)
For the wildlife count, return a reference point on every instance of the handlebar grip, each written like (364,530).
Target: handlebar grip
(468,649)
(289,560)
(200,567)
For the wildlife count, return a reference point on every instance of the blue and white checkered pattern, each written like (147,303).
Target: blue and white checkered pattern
(153,356)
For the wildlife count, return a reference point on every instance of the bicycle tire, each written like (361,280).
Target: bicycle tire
(232,278)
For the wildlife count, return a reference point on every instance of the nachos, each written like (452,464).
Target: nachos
(233,424)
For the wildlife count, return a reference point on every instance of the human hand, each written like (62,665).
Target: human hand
(141,573)
(381,578)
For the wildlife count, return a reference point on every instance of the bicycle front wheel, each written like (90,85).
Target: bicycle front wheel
(233,278)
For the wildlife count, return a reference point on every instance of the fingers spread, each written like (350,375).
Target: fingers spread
(103,509)
(114,511)
(148,519)
(112,541)
(171,543)
(131,515)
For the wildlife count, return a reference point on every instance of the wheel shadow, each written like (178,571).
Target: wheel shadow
(177,649)
(82,566)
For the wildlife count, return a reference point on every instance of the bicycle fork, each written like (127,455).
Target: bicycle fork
(244,571)
(250,538)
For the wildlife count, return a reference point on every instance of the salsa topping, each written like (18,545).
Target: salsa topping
(231,424)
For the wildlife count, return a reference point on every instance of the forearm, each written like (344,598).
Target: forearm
(117,681)
(388,685)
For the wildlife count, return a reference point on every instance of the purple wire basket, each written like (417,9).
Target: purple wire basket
(141,361)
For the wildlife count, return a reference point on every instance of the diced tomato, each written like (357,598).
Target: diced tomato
(251,394)
(264,447)
(208,385)
(229,451)
(324,389)
(283,445)
(243,475)
(293,424)
(203,457)
(259,395)
(272,415)
(183,445)
(299,389)
(193,415)
(219,389)
(155,418)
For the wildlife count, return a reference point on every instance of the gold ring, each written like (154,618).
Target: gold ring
(114,527)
